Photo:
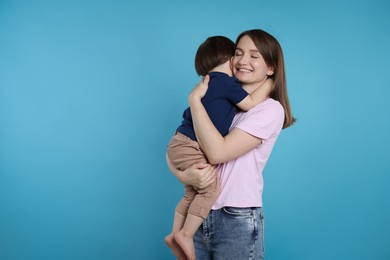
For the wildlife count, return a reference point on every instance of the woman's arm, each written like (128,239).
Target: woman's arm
(217,148)
(199,175)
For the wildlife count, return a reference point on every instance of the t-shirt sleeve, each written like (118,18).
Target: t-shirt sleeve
(263,121)
(236,93)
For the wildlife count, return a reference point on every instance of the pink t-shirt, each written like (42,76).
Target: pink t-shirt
(241,179)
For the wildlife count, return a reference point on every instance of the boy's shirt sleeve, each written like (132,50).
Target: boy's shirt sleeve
(236,93)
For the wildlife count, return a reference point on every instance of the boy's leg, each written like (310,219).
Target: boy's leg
(197,212)
(185,202)
(179,220)
(184,238)
(184,152)
(204,200)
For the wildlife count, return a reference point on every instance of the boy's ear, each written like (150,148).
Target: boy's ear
(231,63)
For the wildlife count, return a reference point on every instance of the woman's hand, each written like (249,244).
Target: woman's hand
(199,90)
(199,175)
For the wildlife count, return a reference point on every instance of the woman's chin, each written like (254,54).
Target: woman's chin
(243,78)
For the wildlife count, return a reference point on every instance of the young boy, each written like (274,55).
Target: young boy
(224,95)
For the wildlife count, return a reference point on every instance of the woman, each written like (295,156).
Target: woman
(234,227)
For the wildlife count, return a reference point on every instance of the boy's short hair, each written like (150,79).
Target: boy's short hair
(216,50)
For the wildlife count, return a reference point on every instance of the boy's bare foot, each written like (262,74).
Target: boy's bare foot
(186,244)
(175,248)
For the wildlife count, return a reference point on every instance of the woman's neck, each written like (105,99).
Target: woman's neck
(250,87)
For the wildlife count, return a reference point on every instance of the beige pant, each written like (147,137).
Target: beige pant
(184,152)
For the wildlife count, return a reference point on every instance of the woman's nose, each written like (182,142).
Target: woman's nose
(243,60)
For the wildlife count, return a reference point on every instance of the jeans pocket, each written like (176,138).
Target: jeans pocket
(238,212)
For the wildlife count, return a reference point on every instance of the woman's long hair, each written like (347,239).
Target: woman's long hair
(272,53)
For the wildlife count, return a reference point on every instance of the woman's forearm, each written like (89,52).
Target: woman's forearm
(218,148)
(208,137)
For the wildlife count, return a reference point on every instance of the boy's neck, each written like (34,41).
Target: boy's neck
(224,68)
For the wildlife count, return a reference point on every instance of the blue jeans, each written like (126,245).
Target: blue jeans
(231,234)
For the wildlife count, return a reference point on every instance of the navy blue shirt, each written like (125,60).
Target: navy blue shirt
(222,95)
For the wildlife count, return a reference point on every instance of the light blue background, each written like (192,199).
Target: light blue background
(91,91)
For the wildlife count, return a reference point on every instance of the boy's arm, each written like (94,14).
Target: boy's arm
(257,96)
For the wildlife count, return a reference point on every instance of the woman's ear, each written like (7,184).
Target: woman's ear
(270,71)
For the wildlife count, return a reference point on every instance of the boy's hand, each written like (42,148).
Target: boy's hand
(269,83)
(200,89)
